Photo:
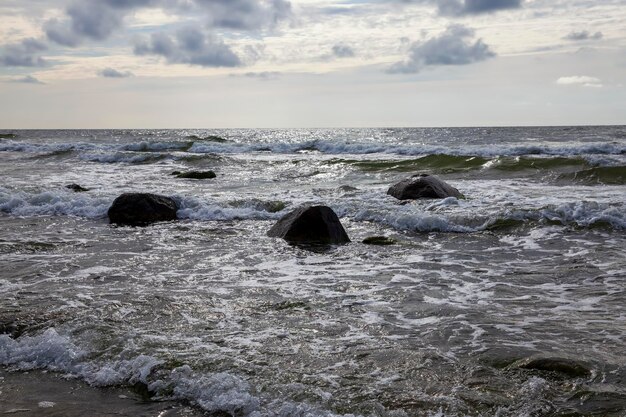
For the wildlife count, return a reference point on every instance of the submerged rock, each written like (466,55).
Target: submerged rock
(196,175)
(271,206)
(347,189)
(310,224)
(564,366)
(379,240)
(76,188)
(139,209)
(423,186)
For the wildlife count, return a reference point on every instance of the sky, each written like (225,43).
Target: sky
(311,63)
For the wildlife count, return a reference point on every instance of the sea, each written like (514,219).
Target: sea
(510,301)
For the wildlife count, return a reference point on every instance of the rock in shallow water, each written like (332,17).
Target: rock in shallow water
(423,186)
(565,366)
(196,175)
(139,209)
(76,188)
(310,224)
(379,240)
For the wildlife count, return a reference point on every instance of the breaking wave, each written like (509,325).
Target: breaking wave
(214,392)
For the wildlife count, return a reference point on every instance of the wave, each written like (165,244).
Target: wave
(252,209)
(612,175)
(8,136)
(575,169)
(47,148)
(210,138)
(441,163)
(217,145)
(364,148)
(414,218)
(580,214)
(219,393)
(156,146)
(50,203)
(68,203)
(124,157)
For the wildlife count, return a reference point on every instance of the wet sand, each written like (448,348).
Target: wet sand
(46,395)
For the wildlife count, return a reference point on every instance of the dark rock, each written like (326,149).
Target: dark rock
(12,328)
(347,189)
(197,175)
(310,224)
(565,366)
(379,240)
(76,188)
(139,209)
(273,206)
(423,186)
(176,173)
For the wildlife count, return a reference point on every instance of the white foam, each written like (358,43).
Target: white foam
(214,392)
(53,203)
(196,209)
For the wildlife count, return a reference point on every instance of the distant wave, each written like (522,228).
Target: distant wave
(328,147)
(584,170)
(364,148)
(156,146)
(124,157)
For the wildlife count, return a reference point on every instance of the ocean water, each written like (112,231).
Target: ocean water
(209,311)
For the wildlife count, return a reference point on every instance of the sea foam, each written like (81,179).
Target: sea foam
(213,392)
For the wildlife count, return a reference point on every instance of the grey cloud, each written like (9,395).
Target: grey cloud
(583,36)
(189,46)
(86,19)
(469,7)
(245,14)
(113,73)
(99,19)
(93,19)
(263,75)
(343,51)
(28,79)
(24,54)
(452,47)
(129,4)
(60,33)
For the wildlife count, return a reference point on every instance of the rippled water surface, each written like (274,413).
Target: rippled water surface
(509,302)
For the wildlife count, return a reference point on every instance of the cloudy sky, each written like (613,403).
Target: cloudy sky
(311,63)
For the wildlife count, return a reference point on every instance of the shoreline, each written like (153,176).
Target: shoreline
(42,393)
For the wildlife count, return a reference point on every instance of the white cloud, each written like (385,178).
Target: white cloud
(582,80)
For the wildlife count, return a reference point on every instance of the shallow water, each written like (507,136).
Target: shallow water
(209,310)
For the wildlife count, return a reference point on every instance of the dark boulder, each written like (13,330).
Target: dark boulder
(423,186)
(347,189)
(139,209)
(196,175)
(379,240)
(76,188)
(310,224)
